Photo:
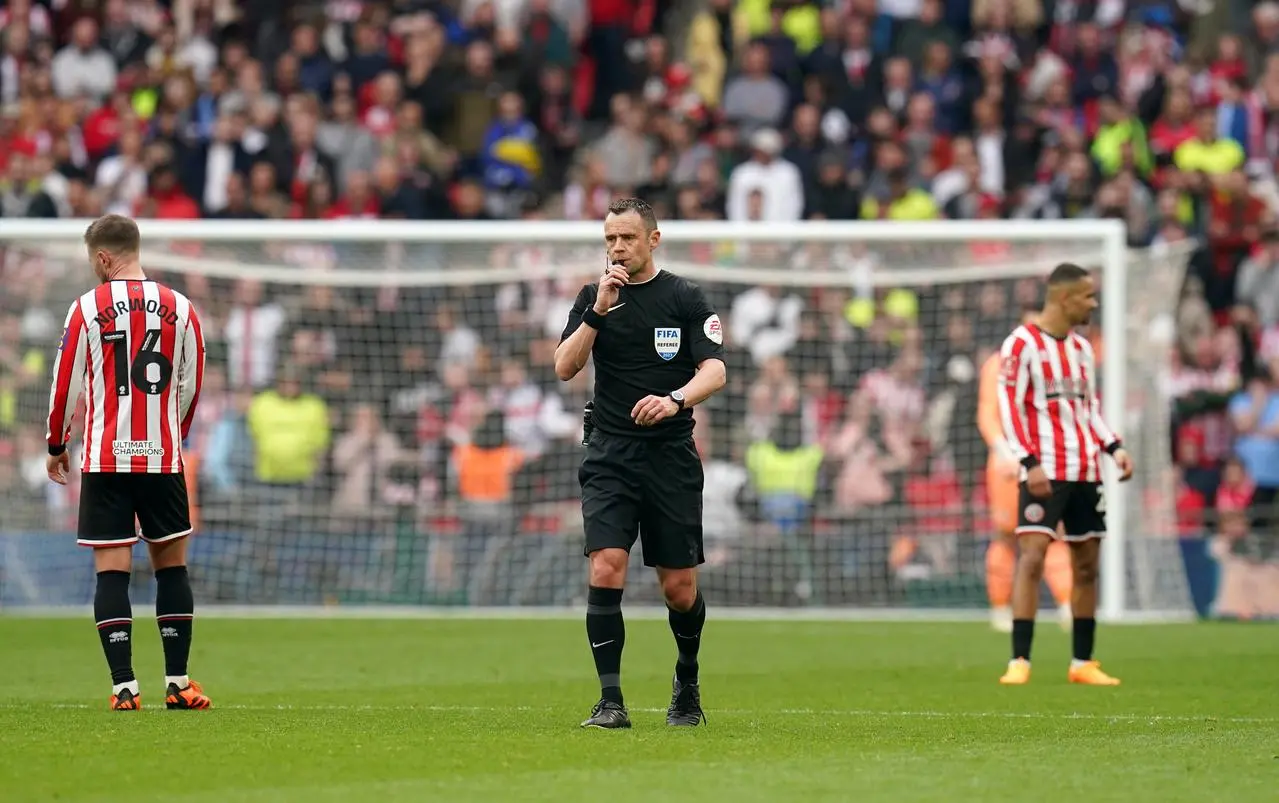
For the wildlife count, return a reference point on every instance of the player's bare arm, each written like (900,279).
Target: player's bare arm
(988,423)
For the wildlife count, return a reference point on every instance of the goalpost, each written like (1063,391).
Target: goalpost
(439,464)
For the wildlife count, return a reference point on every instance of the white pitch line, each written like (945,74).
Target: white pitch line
(855,713)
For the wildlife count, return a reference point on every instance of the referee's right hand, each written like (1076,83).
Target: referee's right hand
(610,288)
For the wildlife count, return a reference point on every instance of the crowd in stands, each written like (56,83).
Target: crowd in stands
(1162,113)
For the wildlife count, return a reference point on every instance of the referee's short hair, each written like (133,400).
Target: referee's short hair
(637,205)
(116,234)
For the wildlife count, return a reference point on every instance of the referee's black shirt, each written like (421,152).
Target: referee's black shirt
(656,335)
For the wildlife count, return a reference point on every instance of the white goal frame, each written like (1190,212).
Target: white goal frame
(1106,239)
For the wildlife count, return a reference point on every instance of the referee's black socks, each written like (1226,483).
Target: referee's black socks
(606,632)
(174,613)
(114,617)
(687,629)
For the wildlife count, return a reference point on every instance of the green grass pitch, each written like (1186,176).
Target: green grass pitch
(345,710)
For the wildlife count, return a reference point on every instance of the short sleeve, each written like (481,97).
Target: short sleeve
(585,298)
(707,332)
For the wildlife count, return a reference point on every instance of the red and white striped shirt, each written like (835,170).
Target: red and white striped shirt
(1048,403)
(134,348)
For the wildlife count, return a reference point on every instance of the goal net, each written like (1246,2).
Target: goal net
(381,424)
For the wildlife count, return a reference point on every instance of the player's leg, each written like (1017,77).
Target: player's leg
(1001,565)
(1085,527)
(1036,526)
(1001,554)
(164,512)
(107,525)
(1058,574)
(610,515)
(671,533)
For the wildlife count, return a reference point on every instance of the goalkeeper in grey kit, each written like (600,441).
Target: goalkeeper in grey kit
(659,351)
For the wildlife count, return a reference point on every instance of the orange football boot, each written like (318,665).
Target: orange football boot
(1017,674)
(189,699)
(126,701)
(1089,673)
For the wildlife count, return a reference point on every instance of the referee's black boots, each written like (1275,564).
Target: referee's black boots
(608,715)
(686,704)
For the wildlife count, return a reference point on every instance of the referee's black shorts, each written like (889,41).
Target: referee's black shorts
(113,505)
(643,488)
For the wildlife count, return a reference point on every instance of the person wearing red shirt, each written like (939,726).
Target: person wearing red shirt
(359,200)
(167,200)
(1174,126)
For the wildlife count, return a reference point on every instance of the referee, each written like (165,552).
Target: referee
(659,351)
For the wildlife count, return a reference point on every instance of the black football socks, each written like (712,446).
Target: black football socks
(174,613)
(1023,634)
(114,616)
(606,632)
(686,626)
(1083,634)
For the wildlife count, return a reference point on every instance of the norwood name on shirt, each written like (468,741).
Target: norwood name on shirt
(134,304)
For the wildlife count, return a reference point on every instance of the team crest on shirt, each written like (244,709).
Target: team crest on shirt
(1008,369)
(666,342)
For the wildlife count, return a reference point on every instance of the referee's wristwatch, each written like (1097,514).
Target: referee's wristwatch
(677,396)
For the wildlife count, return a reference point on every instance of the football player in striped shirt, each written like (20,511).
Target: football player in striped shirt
(1002,475)
(1052,422)
(133,348)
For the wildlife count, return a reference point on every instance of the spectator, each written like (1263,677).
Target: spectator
(1258,280)
(252,327)
(778,181)
(766,321)
(82,68)
(710,48)
(315,69)
(784,474)
(1205,151)
(290,432)
(756,98)
(362,459)
(510,156)
(1255,415)
(918,35)
(124,40)
(626,151)
(21,194)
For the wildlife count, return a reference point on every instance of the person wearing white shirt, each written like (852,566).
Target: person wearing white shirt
(83,67)
(766,322)
(777,180)
(252,331)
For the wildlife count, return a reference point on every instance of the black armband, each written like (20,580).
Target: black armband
(1114,446)
(593,319)
(1030,461)
(55,451)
